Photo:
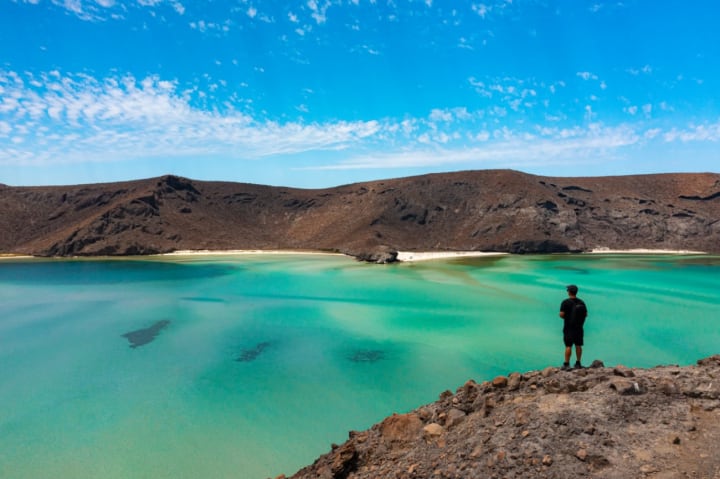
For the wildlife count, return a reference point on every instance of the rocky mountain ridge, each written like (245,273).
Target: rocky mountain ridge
(600,422)
(492,210)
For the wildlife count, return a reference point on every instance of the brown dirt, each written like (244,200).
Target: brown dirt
(600,422)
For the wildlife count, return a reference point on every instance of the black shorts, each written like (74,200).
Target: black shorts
(573,336)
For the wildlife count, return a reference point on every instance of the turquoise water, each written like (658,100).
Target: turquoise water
(259,363)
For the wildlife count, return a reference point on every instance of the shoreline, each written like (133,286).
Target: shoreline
(230,252)
(644,251)
(414,256)
(15,256)
(410,256)
(402,256)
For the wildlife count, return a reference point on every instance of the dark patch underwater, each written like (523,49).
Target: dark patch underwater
(141,337)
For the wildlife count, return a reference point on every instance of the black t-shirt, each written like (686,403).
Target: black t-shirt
(567,307)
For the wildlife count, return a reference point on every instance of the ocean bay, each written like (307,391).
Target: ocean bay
(251,366)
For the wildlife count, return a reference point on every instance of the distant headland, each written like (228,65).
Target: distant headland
(500,211)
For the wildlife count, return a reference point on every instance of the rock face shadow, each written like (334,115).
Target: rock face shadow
(251,354)
(141,337)
(366,355)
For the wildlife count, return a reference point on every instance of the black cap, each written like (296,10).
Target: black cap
(572,289)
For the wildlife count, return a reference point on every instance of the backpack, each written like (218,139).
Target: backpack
(578,313)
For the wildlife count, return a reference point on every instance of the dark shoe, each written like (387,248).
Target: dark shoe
(578,365)
(565,367)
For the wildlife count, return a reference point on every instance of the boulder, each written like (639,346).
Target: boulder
(500,382)
(454,417)
(626,387)
(514,381)
(401,427)
(433,430)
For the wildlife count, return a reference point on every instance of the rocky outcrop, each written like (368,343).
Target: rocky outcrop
(494,210)
(601,422)
(380,254)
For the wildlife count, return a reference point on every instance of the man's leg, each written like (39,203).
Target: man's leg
(578,345)
(578,355)
(568,352)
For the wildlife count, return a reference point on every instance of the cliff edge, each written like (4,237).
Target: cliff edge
(597,422)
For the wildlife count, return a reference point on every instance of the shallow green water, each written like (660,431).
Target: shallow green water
(266,360)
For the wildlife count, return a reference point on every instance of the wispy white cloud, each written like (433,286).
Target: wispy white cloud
(448,115)
(370,50)
(203,26)
(704,132)
(495,7)
(646,69)
(554,146)
(514,94)
(69,118)
(101,10)
(652,133)
(319,10)
(52,118)
(481,9)
(465,44)
(587,76)
(5,129)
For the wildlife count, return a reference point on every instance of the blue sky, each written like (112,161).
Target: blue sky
(326,92)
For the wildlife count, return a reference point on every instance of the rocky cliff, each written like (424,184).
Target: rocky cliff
(600,422)
(497,210)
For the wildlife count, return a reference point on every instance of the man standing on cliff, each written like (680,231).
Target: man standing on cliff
(573,311)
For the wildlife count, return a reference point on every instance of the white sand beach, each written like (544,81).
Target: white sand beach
(643,251)
(207,252)
(410,256)
(14,256)
(414,256)
(404,256)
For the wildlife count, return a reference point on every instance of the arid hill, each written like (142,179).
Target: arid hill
(601,422)
(494,210)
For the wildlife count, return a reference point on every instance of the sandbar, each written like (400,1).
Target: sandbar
(410,256)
